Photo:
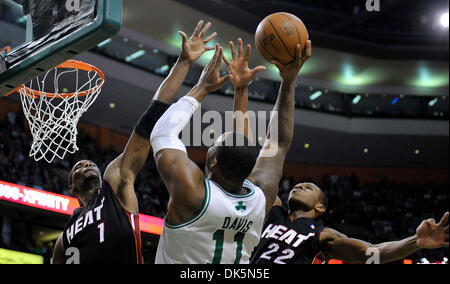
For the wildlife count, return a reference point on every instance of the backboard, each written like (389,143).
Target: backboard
(50,32)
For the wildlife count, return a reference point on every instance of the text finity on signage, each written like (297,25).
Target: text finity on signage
(63,204)
(37,198)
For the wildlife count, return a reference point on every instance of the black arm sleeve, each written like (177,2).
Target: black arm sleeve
(149,119)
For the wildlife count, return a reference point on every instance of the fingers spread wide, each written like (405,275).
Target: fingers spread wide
(198,28)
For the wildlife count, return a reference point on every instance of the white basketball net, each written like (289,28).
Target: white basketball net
(53,110)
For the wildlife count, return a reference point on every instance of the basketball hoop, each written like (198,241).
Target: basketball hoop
(53,111)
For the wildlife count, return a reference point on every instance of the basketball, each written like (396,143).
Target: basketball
(278,35)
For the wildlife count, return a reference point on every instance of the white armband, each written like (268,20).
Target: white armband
(169,126)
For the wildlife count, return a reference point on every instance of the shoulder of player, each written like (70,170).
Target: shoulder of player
(277,203)
(188,191)
(260,178)
(75,214)
(112,171)
(190,178)
(268,188)
(124,193)
(59,241)
(255,190)
(187,203)
(178,171)
(276,213)
(328,235)
(58,251)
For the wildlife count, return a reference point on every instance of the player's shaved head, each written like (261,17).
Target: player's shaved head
(323,199)
(236,161)
(235,156)
(83,175)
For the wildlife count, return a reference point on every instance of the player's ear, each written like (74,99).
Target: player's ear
(320,208)
(100,180)
(214,163)
(72,190)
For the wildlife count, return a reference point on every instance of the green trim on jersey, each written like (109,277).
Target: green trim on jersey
(252,183)
(205,206)
(252,191)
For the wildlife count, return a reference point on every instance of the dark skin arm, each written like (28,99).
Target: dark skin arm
(242,76)
(59,256)
(429,235)
(183,179)
(269,166)
(121,173)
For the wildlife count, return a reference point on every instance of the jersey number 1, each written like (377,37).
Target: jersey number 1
(101,229)
(219,236)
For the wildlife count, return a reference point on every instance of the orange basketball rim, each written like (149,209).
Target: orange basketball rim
(69,64)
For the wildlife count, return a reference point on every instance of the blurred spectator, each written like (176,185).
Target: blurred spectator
(16,167)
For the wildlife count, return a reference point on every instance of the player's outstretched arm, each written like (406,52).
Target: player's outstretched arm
(429,235)
(122,172)
(242,77)
(269,166)
(182,177)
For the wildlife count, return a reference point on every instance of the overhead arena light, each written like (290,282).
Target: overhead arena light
(444,20)
(356,99)
(22,19)
(433,102)
(162,69)
(316,95)
(102,44)
(135,55)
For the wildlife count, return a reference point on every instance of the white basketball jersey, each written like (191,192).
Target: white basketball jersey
(225,232)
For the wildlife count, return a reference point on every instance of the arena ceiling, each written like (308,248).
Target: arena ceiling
(415,63)
(401,29)
(399,50)
(334,139)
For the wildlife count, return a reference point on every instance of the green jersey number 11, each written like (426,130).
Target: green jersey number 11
(218,236)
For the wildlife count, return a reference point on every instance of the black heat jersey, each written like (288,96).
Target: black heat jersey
(103,232)
(286,242)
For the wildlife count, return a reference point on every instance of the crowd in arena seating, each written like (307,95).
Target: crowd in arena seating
(16,167)
(376,212)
